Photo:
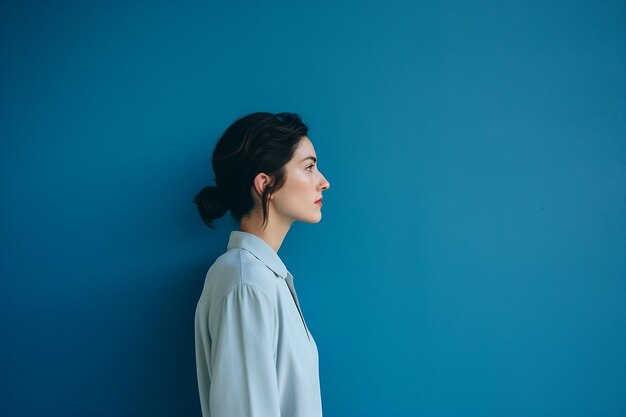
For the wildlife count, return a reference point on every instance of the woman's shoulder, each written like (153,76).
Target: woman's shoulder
(236,268)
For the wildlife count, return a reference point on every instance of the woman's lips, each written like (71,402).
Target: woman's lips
(319,202)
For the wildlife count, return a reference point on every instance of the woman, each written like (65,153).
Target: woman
(254,353)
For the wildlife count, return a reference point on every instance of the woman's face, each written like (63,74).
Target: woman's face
(298,198)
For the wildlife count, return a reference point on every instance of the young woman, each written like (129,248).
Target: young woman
(255,355)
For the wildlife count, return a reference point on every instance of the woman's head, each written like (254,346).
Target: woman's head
(251,162)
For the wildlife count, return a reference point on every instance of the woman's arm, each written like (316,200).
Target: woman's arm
(244,381)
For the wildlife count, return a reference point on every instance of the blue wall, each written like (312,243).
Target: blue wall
(471,259)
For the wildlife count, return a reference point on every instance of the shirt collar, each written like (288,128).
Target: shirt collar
(260,249)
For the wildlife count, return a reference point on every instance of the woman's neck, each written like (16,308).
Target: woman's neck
(273,233)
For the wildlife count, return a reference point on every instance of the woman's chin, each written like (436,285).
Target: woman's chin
(312,219)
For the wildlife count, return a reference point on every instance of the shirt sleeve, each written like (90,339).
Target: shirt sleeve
(244,380)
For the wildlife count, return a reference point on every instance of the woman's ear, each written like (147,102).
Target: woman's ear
(261,181)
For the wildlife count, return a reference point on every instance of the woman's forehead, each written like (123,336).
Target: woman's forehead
(305,148)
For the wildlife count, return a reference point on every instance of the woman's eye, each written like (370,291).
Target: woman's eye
(310,166)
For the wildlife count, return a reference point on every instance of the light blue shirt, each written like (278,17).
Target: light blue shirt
(254,353)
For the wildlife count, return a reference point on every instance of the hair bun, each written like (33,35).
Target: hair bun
(211,203)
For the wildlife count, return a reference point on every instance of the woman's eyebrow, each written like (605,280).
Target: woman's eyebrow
(310,157)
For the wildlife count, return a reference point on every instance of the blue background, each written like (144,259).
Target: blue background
(471,257)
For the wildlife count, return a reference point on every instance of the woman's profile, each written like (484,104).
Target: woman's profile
(255,355)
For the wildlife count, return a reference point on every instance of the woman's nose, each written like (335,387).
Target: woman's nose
(325,183)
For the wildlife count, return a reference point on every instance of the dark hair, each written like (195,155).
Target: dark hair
(257,142)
